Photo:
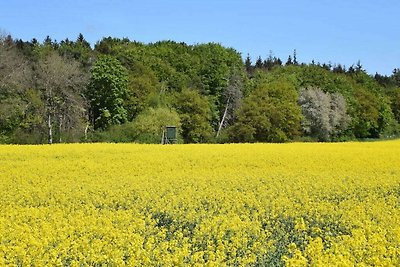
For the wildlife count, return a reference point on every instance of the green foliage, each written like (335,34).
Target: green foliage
(40,93)
(395,78)
(118,133)
(146,128)
(195,113)
(21,119)
(366,103)
(217,66)
(150,124)
(371,115)
(315,76)
(394,96)
(142,86)
(204,67)
(79,50)
(11,114)
(106,92)
(269,114)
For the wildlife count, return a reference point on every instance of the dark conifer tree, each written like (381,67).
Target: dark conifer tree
(383,79)
(396,77)
(48,41)
(295,58)
(277,62)
(289,61)
(351,70)
(259,63)
(269,62)
(327,66)
(247,64)
(81,40)
(338,69)
(359,66)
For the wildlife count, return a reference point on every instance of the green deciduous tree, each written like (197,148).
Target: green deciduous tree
(394,95)
(269,114)
(142,85)
(106,92)
(367,114)
(195,113)
(149,125)
(372,113)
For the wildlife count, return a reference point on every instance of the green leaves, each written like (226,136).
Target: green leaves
(269,114)
(195,113)
(107,91)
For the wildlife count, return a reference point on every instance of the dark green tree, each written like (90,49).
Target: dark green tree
(289,61)
(142,87)
(396,77)
(195,114)
(394,95)
(359,66)
(295,62)
(259,63)
(277,62)
(248,65)
(269,114)
(79,50)
(269,62)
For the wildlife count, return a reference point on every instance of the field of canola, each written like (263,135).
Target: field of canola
(194,205)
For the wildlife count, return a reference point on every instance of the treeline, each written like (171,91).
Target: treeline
(127,91)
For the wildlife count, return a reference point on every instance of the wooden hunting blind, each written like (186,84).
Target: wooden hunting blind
(169,135)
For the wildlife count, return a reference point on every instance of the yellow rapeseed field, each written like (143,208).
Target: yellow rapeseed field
(300,204)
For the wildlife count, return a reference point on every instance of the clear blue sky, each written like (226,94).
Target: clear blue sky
(340,31)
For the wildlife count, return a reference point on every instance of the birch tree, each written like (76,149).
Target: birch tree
(61,82)
(232,99)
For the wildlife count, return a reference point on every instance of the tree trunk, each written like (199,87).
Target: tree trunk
(86,130)
(59,127)
(223,117)
(50,129)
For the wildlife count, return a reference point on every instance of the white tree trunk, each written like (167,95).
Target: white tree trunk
(223,117)
(50,129)
(86,130)
(60,127)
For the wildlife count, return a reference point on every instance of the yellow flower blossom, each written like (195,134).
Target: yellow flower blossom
(299,204)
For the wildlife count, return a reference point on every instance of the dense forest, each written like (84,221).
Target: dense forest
(127,91)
